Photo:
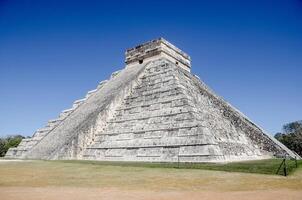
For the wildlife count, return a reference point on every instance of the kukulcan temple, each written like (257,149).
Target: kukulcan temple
(154,110)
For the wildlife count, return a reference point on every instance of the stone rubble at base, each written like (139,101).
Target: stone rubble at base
(153,110)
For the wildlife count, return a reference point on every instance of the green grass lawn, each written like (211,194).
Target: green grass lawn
(37,179)
(154,176)
(269,166)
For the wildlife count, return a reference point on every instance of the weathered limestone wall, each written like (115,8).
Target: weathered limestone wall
(57,143)
(229,125)
(158,48)
(28,143)
(170,116)
(89,129)
(258,136)
(154,123)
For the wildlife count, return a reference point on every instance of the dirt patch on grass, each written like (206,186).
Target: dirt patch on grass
(63,193)
(3,161)
(61,180)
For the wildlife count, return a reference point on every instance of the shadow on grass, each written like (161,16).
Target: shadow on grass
(269,166)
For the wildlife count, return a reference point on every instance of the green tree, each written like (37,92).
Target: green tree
(292,136)
(9,142)
(2,147)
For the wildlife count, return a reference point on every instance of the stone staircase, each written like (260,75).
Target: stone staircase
(28,143)
(155,122)
(77,130)
(170,118)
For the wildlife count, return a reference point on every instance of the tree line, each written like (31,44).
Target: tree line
(8,142)
(291,136)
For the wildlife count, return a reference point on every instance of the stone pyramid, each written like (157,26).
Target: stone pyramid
(153,110)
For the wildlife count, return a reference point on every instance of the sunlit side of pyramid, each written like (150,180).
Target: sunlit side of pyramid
(153,110)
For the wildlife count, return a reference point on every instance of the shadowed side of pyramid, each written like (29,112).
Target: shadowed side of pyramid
(172,116)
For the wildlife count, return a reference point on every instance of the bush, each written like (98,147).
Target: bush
(9,142)
(291,136)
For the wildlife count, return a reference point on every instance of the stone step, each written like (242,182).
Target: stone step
(101,84)
(68,110)
(91,92)
(38,133)
(159,72)
(192,132)
(162,113)
(44,129)
(65,113)
(156,142)
(38,138)
(159,64)
(164,100)
(153,99)
(160,106)
(156,86)
(78,103)
(170,90)
(114,74)
(156,75)
(26,140)
(164,127)
(160,82)
(126,116)
(53,123)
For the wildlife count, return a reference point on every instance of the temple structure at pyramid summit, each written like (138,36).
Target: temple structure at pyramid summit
(155,110)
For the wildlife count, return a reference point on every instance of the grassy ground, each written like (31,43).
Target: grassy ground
(269,166)
(89,173)
(102,180)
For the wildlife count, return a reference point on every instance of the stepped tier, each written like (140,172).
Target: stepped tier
(28,143)
(170,116)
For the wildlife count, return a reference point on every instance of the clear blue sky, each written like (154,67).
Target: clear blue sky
(53,52)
